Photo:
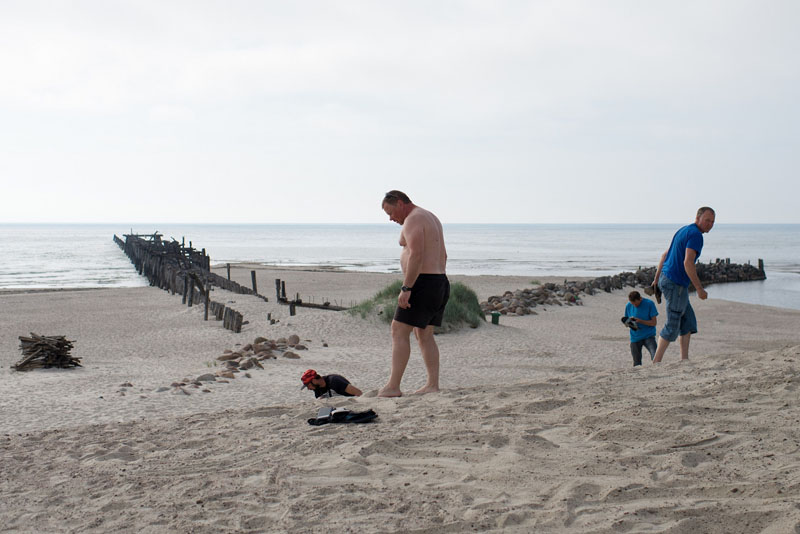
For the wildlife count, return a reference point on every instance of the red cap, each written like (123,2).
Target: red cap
(308,376)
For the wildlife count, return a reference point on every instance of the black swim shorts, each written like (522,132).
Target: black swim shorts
(428,299)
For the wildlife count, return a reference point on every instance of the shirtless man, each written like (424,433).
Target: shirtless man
(420,305)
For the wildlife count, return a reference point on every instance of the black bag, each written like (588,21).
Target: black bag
(341,415)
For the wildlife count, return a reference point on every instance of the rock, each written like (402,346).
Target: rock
(259,340)
(291,355)
(247,364)
(126,385)
(229,356)
(281,341)
(225,374)
(300,347)
(208,377)
(204,390)
(177,384)
(233,364)
(294,339)
(247,347)
(162,389)
(324,344)
(266,355)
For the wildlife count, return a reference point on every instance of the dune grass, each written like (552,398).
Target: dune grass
(462,307)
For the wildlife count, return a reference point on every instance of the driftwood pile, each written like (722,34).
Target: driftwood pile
(45,351)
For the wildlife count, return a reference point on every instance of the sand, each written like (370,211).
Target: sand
(542,424)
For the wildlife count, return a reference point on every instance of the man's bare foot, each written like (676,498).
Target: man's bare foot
(427,389)
(390,392)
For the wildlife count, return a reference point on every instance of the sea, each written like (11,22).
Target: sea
(38,256)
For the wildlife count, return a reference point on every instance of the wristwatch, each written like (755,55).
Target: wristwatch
(405,288)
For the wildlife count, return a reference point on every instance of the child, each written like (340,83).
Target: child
(640,316)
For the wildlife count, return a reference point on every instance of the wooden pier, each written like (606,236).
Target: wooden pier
(173,267)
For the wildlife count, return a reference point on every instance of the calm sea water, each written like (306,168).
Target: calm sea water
(61,256)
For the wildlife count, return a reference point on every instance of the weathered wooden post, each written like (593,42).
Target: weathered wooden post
(278,289)
(292,310)
(229,271)
(253,277)
(208,298)
(283,289)
(185,287)
(760,265)
(191,292)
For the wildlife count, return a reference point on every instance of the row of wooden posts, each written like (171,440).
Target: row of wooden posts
(173,267)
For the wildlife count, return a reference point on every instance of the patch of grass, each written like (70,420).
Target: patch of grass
(536,283)
(462,307)
(384,300)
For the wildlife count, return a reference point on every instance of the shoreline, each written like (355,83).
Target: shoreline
(761,293)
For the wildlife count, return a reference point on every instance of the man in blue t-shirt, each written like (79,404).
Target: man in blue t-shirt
(675,271)
(643,313)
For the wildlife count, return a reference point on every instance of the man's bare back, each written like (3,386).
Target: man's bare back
(427,229)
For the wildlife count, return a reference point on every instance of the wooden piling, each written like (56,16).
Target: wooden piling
(253,278)
(208,299)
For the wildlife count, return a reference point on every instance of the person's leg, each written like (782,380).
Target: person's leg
(401,351)
(650,345)
(661,349)
(636,352)
(684,339)
(677,299)
(688,327)
(430,355)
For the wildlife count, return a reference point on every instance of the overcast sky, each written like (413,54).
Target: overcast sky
(300,111)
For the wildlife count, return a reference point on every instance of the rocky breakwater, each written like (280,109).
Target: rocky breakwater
(524,301)
(723,271)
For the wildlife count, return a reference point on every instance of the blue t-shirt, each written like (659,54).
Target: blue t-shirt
(646,310)
(691,237)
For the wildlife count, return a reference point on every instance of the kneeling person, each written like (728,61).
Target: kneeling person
(643,313)
(326,386)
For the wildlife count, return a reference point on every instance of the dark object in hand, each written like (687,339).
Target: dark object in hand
(630,322)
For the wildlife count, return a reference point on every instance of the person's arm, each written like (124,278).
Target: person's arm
(660,266)
(415,244)
(691,272)
(649,322)
(352,390)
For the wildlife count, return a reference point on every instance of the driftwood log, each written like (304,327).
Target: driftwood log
(45,351)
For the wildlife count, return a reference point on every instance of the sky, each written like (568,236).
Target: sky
(481,111)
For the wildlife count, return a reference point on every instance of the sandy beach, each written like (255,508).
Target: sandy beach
(542,424)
